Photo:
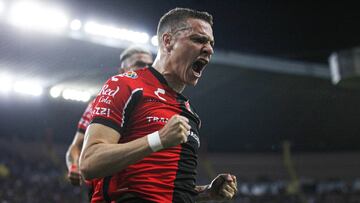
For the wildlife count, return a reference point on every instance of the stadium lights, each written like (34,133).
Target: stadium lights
(28,88)
(115,33)
(31,15)
(55,92)
(5,83)
(72,94)
(2,6)
(75,25)
(154,41)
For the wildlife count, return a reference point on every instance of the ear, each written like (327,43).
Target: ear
(167,41)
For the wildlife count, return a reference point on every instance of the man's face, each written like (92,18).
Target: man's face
(191,51)
(138,60)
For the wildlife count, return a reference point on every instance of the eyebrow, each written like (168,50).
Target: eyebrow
(212,42)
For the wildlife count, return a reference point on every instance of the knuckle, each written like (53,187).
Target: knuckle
(178,130)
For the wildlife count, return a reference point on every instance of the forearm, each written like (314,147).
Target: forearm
(73,153)
(72,156)
(102,159)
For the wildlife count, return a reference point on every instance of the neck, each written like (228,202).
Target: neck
(164,67)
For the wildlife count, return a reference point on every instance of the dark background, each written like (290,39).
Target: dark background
(302,30)
(241,109)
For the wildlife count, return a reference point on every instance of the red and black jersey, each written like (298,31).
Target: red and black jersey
(136,104)
(85,119)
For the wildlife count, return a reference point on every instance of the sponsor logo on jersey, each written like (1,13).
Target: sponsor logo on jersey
(151,119)
(106,91)
(131,74)
(151,100)
(101,111)
(196,137)
(105,99)
(160,91)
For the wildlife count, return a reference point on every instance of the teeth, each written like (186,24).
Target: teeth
(202,61)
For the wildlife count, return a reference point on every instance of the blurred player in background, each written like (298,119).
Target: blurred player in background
(132,58)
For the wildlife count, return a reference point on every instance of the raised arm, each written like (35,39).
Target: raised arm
(102,155)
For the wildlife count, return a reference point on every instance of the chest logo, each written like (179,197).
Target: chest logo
(160,91)
(187,105)
(131,74)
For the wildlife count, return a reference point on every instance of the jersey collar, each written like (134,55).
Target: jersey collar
(158,75)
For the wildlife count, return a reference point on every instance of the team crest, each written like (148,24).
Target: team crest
(187,105)
(131,74)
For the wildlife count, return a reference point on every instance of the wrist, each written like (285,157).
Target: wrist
(203,193)
(154,141)
(73,168)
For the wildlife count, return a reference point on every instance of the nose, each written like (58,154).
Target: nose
(208,49)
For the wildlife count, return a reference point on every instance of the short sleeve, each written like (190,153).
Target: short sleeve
(85,118)
(115,101)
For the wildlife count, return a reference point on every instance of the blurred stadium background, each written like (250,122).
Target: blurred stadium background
(270,113)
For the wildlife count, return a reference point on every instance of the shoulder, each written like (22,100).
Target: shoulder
(129,77)
(125,82)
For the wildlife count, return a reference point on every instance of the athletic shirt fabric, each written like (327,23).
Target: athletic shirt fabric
(85,119)
(136,104)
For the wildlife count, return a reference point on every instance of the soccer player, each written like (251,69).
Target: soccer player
(132,58)
(144,136)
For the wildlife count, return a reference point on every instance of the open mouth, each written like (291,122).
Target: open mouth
(199,65)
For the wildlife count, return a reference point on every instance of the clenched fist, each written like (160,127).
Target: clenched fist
(223,187)
(175,132)
(74,175)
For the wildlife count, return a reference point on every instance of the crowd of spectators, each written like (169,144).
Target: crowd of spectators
(26,177)
(27,180)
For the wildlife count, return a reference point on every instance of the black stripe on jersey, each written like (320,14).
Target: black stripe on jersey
(135,98)
(107,122)
(191,114)
(106,189)
(184,183)
(80,130)
(158,75)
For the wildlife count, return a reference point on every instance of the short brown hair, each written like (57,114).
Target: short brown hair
(176,18)
(131,50)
